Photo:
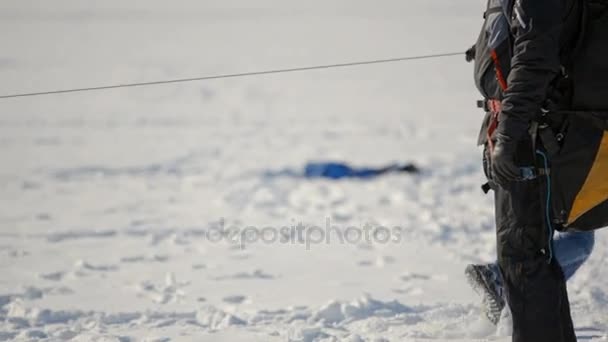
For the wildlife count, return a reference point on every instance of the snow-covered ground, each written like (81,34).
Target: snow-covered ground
(111,202)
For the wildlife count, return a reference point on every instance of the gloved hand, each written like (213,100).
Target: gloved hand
(504,169)
(508,135)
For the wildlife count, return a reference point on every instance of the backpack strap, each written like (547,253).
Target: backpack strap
(549,139)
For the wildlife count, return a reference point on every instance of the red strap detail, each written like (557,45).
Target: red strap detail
(499,74)
(491,128)
(494,106)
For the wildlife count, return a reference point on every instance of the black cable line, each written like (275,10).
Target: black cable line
(244,74)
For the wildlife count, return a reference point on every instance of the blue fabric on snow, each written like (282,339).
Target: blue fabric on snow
(337,170)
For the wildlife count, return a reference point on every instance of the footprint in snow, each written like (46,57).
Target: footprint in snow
(380,262)
(144,259)
(257,274)
(413,291)
(172,291)
(237,299)
(85,269)
(54,276)
(17,253)
(342,214)
(414,276)
(83,265)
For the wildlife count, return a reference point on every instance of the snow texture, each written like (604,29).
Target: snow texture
(128,215)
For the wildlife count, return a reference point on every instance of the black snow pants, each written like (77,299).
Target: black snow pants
(535,287)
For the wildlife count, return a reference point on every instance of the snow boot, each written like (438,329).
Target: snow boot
(485,281)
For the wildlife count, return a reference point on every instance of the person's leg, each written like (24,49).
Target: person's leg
(571,250)
(535,287)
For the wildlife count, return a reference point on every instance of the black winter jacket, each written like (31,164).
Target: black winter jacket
(540,31)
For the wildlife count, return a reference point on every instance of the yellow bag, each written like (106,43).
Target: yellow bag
(579,174)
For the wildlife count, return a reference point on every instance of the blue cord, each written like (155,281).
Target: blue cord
(548,206)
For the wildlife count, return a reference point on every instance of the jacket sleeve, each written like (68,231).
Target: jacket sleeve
(536,27)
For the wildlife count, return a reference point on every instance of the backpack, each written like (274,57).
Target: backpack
(588,67)
(576,147)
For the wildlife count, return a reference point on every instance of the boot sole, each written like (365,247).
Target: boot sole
(492,304)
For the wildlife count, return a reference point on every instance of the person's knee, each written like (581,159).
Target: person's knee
(521,244)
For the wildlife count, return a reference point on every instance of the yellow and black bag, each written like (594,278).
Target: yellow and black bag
(579,170)
(579,173)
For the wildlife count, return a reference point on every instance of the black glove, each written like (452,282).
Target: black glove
(504,169)
(508,135)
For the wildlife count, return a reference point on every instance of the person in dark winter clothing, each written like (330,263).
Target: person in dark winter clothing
(517,60)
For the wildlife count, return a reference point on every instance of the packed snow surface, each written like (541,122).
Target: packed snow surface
(161,214)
